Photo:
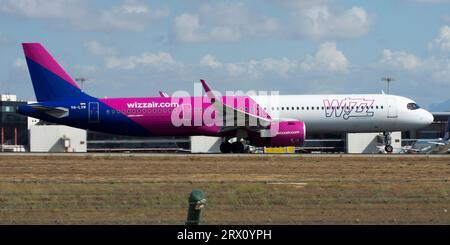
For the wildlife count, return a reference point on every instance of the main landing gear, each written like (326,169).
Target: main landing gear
(387,142)
(225,147)
(235,147)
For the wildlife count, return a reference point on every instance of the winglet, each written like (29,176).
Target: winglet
(163,95)
(205,86)
(208,92)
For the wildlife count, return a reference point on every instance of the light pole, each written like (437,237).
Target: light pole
(388,80)
(82,80)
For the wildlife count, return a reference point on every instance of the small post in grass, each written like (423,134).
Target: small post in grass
(197,202)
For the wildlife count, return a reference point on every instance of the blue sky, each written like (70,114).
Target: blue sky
(135,48)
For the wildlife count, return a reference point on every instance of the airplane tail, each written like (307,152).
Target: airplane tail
(50,81)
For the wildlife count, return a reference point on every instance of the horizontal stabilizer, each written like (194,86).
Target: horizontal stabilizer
(58,112)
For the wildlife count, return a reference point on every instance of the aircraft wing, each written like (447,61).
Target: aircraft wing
(234,117)
(436,143)
(58,112)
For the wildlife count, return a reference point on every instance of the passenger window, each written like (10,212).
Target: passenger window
(298,108)
(303,108)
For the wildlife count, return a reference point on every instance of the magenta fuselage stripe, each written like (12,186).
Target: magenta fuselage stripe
(38,54)
(203,102)
(160,123)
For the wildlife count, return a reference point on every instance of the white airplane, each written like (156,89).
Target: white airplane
(440,145)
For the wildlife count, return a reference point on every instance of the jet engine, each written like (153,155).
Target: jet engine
(283,133)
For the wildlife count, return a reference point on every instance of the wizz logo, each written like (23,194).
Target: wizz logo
(348,107)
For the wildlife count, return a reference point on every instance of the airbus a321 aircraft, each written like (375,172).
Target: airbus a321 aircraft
(280,120)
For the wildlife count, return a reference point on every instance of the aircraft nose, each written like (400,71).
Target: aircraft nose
(427,118)
(430,118)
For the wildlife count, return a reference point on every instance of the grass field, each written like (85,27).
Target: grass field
(239,189)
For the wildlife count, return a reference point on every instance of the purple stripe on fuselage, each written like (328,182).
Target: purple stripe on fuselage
(37,53)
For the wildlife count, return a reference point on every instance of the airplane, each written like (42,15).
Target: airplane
(241,120)
(426,146)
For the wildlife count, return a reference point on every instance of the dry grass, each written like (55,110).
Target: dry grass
(239,189)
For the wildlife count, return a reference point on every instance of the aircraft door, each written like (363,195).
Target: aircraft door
(94,112)
(392,108)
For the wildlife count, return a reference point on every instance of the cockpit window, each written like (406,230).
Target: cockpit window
(412,106)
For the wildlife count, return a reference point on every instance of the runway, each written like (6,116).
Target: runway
(207,155)
(240,189)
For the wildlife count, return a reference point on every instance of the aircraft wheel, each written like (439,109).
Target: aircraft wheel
(225,147)
(237,147)
(389,148)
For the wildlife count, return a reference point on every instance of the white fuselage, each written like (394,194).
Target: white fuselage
(347,113)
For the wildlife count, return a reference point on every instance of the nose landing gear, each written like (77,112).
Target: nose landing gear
(387,142)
